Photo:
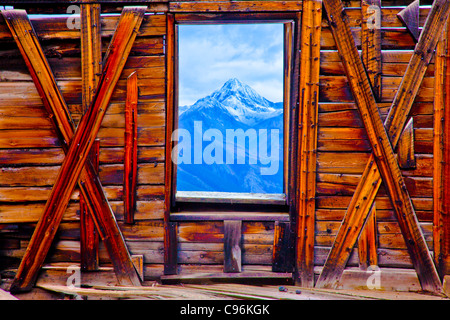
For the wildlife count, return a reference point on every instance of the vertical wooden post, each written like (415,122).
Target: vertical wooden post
(441,156)
(308,118)
(170,248)
(91,68)
(130,157)
(232,246)
(89,238)
(91,52)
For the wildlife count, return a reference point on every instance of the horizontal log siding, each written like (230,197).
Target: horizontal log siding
(343,147)
(30,154)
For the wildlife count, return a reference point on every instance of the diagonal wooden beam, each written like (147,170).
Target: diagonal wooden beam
(83,139)
(89,238)
(382,157)
(367,250)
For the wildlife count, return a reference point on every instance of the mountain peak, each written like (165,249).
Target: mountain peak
(234,87)
(232,83)
(239,101)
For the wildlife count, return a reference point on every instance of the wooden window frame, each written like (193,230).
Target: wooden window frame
(242,202)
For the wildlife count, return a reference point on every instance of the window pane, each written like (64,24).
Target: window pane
(230,108)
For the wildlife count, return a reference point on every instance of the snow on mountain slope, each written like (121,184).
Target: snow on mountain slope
(240,101)
(234,106)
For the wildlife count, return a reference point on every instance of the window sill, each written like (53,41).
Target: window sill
(224,215)
(230,197)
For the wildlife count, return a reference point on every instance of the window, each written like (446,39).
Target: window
(231,137)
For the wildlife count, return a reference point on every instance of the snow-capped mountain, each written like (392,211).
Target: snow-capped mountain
(240,101)
(234,106)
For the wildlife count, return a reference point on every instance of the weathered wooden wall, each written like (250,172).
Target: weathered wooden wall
(30,154)
(343,147)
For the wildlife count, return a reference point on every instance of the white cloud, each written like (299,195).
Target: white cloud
(211,54)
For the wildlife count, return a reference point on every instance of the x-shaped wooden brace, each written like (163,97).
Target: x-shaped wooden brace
(383,138)
(76,145)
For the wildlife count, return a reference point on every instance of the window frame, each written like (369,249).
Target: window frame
(291,22)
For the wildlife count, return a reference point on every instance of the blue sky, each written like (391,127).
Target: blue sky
(209,55)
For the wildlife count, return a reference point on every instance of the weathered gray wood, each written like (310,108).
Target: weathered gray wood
(171,254)
(232,246)
(282,249)
(382,149)
(410,17)
(229,215)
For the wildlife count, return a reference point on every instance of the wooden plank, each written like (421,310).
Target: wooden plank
(89,238)
(171,259)
(91,59)
(221,275)
(406,157)
(410,18)
(438,150)
(91,51)
(228,215)
(253,232)
(282,251)
(170,238)
(389,13)
(55,105)
(362,180)
(441,167)
(55,27)
(307,153)
(367,242)
(371,43)
(110,174)
(336,89)
(223,17)
(382,150)
(232,246)
(131,149)
(234,6)
(76,156)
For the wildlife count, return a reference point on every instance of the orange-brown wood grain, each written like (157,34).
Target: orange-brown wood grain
(75,158)
(307,137)
(382,150)
(130,157)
